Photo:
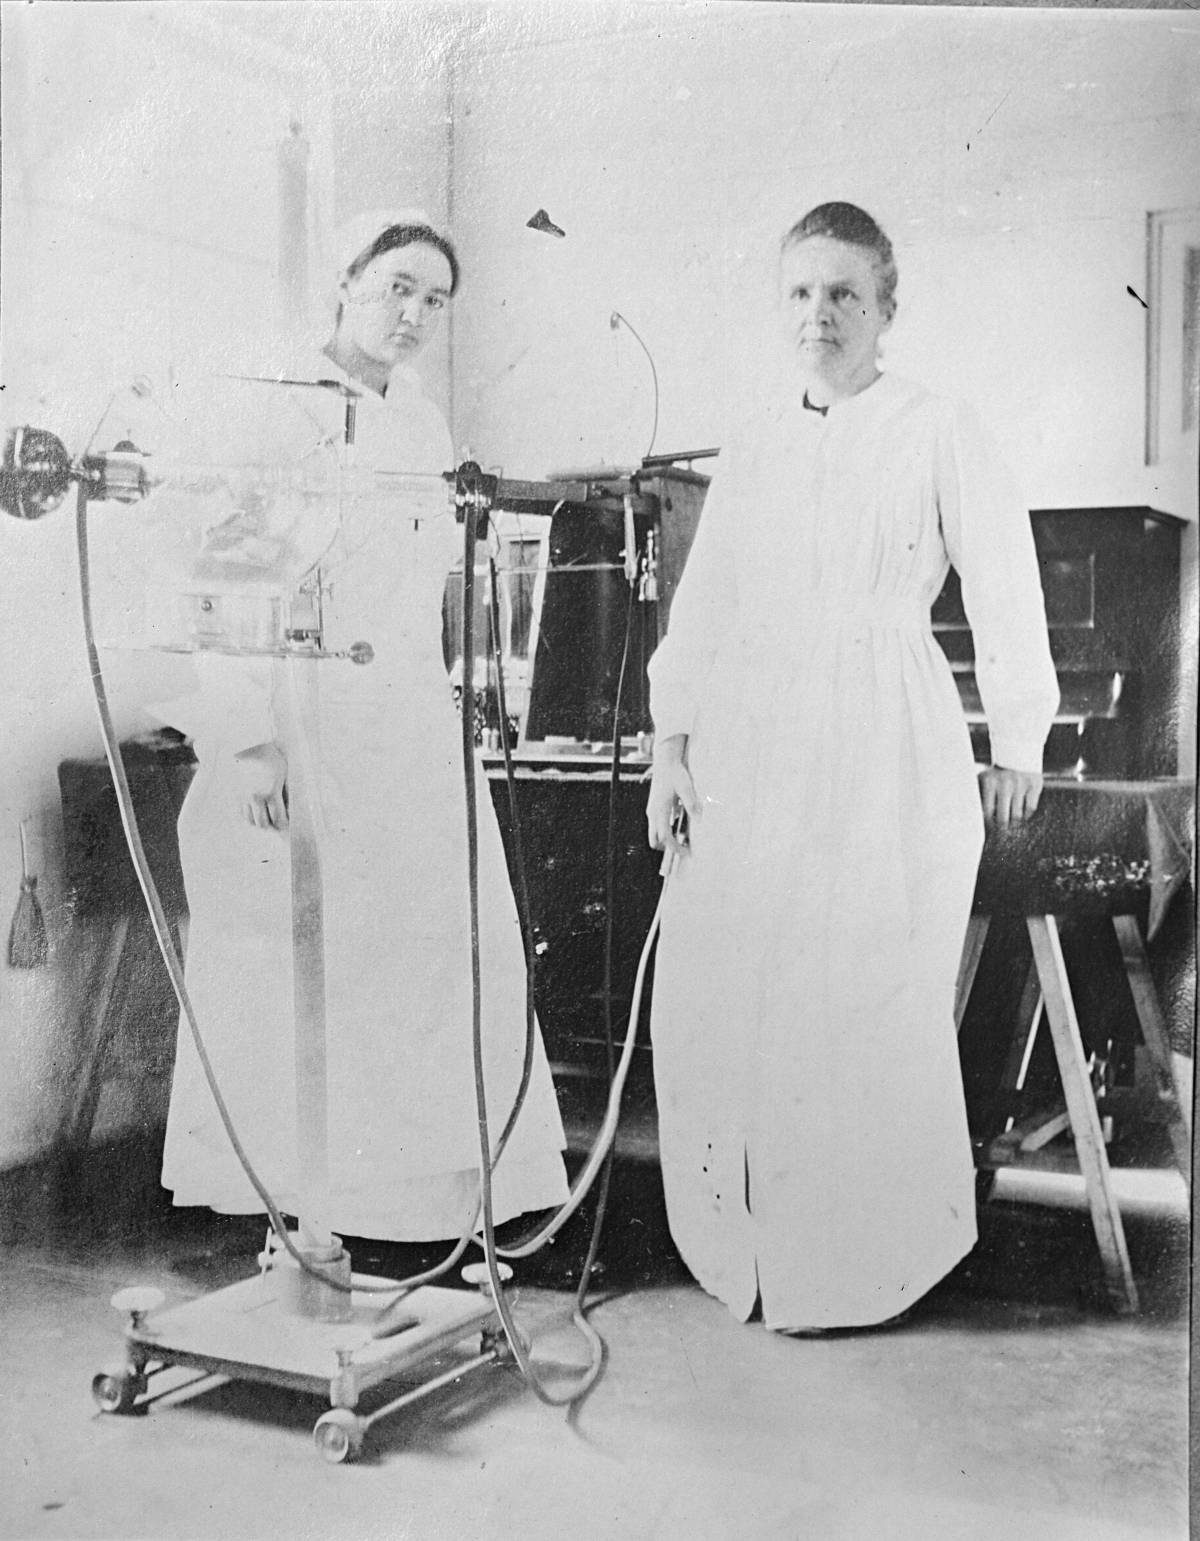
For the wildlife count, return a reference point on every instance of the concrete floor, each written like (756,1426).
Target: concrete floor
(1010,1406)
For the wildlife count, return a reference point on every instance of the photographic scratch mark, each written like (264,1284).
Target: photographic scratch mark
(991,115)
(994,111)
(837,59)
(1129,289)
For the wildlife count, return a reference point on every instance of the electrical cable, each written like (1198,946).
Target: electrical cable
(524,907)
(610,898)
(603,1143)
(145,878)
(613,319)
(610,910)
(582,1184)
(610,905)
(472,501)
(524,912)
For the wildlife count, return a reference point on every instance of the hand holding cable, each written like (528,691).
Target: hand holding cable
(671,790)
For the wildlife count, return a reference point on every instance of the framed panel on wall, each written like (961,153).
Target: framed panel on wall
(1172,334)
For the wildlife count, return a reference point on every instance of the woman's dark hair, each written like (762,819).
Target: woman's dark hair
(406,235)
(847,222)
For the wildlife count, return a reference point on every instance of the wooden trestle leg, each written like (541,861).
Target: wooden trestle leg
(1157,1041)
(1081,1108)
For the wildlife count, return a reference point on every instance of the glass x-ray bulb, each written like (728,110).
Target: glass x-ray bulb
(219,499)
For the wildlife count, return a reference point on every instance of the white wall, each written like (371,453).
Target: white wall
(145,230)
(1012,155)
(390,118)
(141,230)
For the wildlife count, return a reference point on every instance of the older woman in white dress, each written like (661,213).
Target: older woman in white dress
(814,1141)
(384,763)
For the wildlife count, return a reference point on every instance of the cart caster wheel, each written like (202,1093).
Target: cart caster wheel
(339,1436)
(117,1389)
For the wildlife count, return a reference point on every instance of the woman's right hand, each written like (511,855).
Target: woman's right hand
(671,789)
(261,776)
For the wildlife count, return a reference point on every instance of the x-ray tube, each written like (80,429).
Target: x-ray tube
(223,498)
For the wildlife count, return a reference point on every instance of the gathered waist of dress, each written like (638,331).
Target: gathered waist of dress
(888,611)
(785,644)
(830,612)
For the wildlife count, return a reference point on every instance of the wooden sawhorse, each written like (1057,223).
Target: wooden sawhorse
(1048,988)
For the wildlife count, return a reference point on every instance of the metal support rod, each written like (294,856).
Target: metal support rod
(427,1387)
(308,954)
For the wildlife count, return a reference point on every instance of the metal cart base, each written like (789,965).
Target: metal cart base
(250,1331)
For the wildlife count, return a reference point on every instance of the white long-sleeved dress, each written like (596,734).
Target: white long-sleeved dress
(403,1140)
(812,1126)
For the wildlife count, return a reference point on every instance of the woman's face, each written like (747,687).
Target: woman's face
(833,316)
(391,309)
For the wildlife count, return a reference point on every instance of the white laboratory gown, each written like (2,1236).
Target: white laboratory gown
(386,758)
(814,1142)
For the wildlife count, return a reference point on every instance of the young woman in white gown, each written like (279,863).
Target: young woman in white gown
(814,1141)
(386,761)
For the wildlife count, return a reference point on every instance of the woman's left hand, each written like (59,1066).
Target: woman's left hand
(261,786)
(1009,796)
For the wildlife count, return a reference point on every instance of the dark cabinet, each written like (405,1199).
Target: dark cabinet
(1110,577)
